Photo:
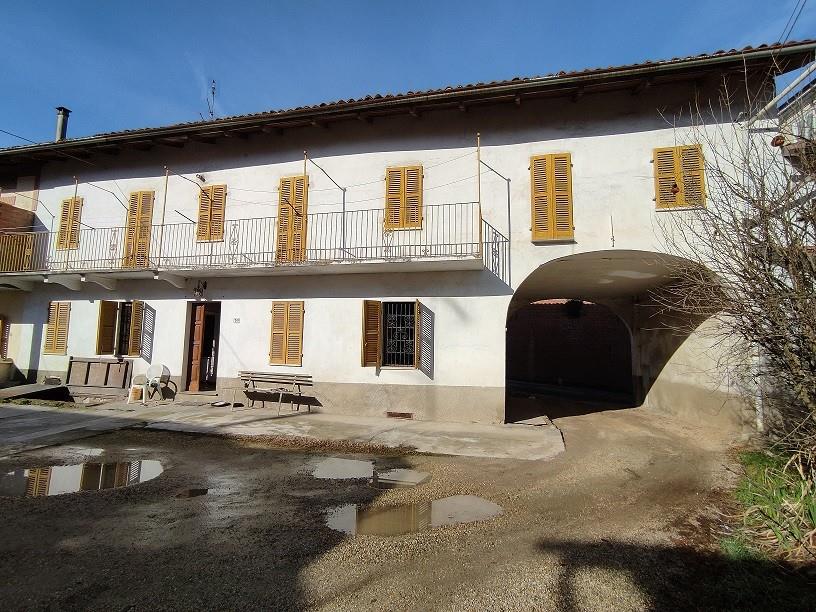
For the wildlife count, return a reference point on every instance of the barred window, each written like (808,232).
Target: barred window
(399,324)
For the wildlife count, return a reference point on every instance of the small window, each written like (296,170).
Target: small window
(286,342)
(119,330)
(70,213)
(403,198)
(551,196)
(390,334)
(56,331)
(212,202)
(679,177)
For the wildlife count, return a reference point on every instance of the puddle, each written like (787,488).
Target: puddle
(336,468)
(409,518)
(59,479)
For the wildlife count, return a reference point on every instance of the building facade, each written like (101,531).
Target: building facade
(383,246)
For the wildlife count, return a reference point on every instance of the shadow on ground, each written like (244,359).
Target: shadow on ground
(683,578)
(243,545)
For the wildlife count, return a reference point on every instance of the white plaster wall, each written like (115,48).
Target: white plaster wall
(610,138)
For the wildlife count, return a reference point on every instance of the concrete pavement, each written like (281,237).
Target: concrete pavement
(25,427)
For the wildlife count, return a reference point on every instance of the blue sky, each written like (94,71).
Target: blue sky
(129,65)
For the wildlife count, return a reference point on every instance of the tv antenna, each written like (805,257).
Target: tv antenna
(210,102)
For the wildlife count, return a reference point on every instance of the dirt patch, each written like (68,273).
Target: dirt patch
(591,529)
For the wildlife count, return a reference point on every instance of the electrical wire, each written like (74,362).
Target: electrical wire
(791,23)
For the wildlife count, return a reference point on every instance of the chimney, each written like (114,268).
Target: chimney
(62,123)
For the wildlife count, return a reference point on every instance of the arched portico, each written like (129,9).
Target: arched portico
(585,334)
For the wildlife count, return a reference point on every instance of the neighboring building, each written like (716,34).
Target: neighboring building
(394,261)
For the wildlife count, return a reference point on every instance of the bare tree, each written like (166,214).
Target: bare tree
(748,247)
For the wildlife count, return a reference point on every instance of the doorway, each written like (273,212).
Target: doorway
(202,356)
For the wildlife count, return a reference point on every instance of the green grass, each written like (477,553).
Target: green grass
(738,548)
(778,499)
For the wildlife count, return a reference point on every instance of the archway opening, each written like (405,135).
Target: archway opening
(567,357)
(585,334)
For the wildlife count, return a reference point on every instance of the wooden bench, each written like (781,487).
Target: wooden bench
(290,384)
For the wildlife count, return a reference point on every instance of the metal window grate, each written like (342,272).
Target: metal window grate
(398,333)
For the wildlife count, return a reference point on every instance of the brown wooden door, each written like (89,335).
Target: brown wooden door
(196,347)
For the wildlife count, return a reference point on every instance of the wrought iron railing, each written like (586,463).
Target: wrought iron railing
(448,231)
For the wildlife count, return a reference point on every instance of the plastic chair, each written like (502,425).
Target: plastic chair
(156,378)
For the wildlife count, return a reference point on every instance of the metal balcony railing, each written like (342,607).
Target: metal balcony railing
(448,231)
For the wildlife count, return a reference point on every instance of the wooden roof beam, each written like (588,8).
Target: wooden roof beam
(642,86)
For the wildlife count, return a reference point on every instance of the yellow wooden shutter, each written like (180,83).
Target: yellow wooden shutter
(551,196)
(136,318)
(204,212)
(218,205)
(403,198)
(542,222)
(129,257)
(106,328)
(277,349)
(145,227)
(562,196)
(372,333)
(667,186)
(692,173)
(211,208)
(70,214)
(286,342)
(294,333)
(298,225)
(138,230)
(283,247)
(56,332)
(292,216)
(412,198)
(394,178)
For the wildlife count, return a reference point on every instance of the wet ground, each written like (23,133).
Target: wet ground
(237,524)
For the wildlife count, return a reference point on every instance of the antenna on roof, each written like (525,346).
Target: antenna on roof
(211,100)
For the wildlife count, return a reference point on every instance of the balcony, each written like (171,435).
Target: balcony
(452,236)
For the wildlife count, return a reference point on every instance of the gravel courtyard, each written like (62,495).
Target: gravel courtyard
(622,520)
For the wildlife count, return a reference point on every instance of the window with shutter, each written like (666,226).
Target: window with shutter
(212,203)
(293,200)
(286,341)
(679,174)
(391,334)
(403,198)
(138,230)
(551,197)
(68,234)
(56,331)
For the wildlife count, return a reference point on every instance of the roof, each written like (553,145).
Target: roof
(780,57)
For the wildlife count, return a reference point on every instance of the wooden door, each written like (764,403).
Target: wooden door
(196,347)
(138,229)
